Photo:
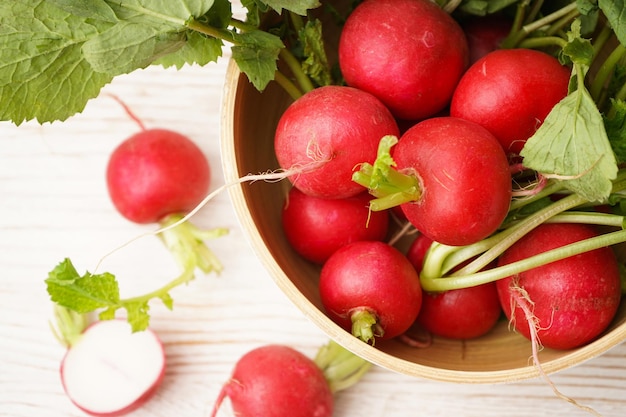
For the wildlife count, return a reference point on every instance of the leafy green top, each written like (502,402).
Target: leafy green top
(58,54)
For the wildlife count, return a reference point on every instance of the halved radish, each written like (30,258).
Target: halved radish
(109,370)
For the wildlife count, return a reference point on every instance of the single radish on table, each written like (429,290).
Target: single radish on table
(408,53)
(566,303)
(370,289)
(108,370)
(279,381)
(450,176)
(317,227)
(159,176)
(325,133)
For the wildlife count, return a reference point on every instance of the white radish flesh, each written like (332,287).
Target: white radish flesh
(110,371)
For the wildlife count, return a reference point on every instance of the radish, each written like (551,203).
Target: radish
(485,34)
(370,289)
(160,176)
(325,133)
(450,176)
(571,300)
(510,92)
(463,313)
(279,381)
(109,370)
(317,227)
(155,173)
(408,53)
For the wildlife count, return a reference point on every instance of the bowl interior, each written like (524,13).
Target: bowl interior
(249,120)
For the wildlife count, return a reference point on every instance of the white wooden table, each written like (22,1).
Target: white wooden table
(54,204)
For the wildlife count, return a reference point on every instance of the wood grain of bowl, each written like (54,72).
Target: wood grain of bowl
(249,119)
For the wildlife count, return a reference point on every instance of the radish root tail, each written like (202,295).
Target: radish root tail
(520,298)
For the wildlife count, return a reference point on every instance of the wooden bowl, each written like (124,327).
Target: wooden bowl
(248,123)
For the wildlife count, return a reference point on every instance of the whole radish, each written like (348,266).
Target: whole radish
(408,53)
(370,289)
(160,176)
(569,302)
(317,227)
(277,381)
(450,177)
(155,173)
(325,133)
(109,370)
(510,92)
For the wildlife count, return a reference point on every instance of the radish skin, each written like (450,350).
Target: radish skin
(111,371)
(277,381)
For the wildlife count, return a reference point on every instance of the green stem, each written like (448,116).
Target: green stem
(365,325)
(186,276)
(605,71)
(289,87)
(508,237)
(434,284)
(542,42)
(211,31)
(68,325)
(295,67)
(518,35)
(341,367)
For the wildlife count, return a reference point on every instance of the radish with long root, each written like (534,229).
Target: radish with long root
(108,370)
(279,381)
(159,176)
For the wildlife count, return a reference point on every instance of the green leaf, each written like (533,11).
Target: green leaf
(572,145)
(43,74)
(138,315)
(82,294)
(92,9)
(315,64)
(256,54)
(198,49)
(615,124)
(128,46)
(150,29)
(615,12)
(297,6)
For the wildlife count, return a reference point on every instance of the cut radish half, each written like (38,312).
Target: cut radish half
(110,371)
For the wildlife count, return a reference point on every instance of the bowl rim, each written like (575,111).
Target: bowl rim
(338,334)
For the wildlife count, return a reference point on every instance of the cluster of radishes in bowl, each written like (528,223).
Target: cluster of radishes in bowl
(426,133)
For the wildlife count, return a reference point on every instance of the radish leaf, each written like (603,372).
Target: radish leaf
(572,143)
(256,53)
(297,6)
(92,292)
(615,11)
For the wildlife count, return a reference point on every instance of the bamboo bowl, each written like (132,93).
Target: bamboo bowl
(249,120)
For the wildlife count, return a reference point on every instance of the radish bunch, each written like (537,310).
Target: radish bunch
(448,166)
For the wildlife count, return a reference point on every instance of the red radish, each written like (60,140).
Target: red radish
(110,371)
(408,53)
(327,132)
(572,300)
(464,180)
(157,172)
(371,289)
(317,227)
(161,176)
(484,34)
(277,381)
(464,313)
(510,92)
